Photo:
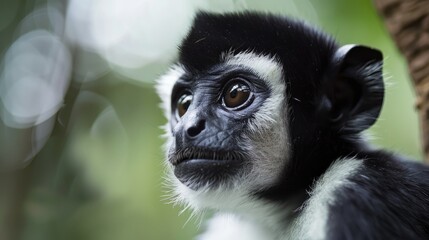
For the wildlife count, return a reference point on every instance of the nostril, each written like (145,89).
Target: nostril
(197,128)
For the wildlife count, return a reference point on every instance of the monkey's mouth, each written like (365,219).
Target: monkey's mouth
(198,154)
(196,167)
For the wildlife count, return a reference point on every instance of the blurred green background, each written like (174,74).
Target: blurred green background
(80,145)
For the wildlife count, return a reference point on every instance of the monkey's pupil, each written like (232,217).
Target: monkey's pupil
(233,93)
(185,106)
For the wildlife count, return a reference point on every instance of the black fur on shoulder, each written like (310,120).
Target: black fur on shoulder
(388,200)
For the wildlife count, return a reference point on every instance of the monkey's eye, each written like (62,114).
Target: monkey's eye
(236,94)
(183,104)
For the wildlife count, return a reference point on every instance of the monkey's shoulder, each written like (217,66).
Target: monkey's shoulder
(386,197)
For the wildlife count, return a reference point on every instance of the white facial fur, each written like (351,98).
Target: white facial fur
(266,140)
(165,86)
(269,125)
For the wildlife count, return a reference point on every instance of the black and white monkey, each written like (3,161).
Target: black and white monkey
(265,119)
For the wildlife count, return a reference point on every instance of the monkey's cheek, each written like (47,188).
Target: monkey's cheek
(198,173)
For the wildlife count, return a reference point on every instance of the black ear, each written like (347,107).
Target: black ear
(355,88)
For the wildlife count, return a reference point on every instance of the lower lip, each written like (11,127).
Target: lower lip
(208,164)
(205,161)
(206,169)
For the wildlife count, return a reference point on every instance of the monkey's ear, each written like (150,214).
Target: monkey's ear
(355,88)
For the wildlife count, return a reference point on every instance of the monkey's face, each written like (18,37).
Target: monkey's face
(227,125)
(259,105)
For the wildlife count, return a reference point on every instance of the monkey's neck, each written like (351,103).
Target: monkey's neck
(308,163)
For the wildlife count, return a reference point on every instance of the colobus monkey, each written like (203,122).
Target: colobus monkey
(265,120)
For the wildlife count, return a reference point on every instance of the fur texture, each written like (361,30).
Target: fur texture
(291,162)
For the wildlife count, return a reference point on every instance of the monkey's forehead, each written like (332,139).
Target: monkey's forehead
(293,42)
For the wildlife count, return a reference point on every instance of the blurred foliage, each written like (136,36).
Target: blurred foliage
(100,174)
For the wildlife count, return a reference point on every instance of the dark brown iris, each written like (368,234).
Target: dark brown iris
(183,104)
(236,94)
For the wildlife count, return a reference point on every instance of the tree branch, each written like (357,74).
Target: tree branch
(408,24)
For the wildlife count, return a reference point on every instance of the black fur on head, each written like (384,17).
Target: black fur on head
(333,93)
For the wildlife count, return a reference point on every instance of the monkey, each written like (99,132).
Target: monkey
(266,116)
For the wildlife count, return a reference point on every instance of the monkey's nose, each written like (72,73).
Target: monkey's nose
(196,128)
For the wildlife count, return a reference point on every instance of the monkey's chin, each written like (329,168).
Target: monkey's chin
(207,173)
